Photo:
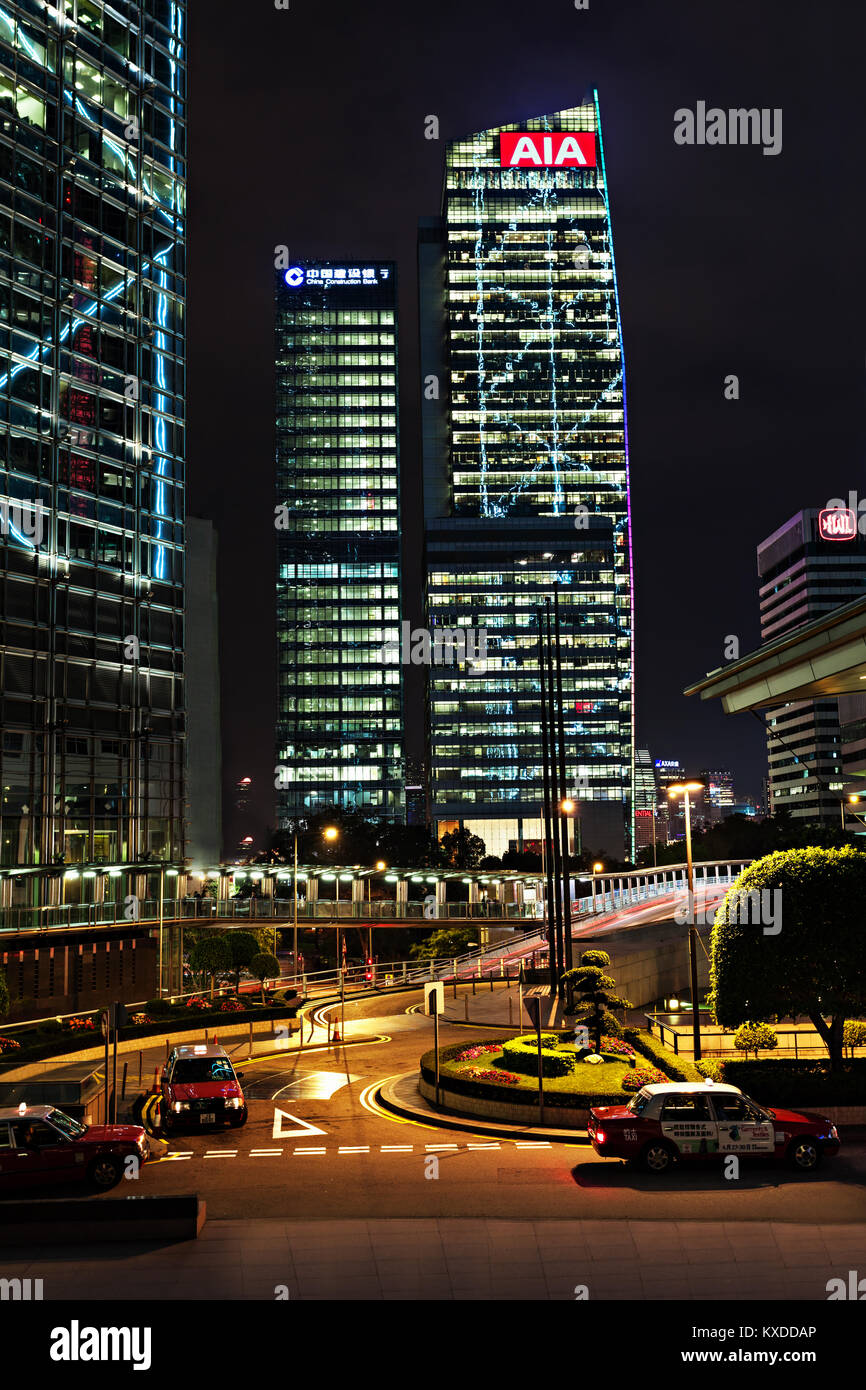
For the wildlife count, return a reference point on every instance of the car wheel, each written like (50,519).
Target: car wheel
(657,1158)
(235,1121)
(804,1155)
(105,1171)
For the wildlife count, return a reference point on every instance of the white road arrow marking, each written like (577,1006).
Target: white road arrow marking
(301,1126)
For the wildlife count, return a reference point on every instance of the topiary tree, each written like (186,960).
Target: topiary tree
(243,946)
(853,1035)
(595,995)
(811,961)
(209,956)
(264,966)
(754,1037)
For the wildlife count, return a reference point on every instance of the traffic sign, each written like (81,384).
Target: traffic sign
(434,998)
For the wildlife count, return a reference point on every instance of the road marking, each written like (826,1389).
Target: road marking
(535,1144)
(175,1158)
(315,1085)
(266,1153)
(397,1148)
(221,1153)
(309,1151)
(360,1149)
(483,1146)
(301,1126)
(431,1147)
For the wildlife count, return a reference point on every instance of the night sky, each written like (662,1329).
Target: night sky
(307,129)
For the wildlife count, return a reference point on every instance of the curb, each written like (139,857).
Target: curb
(443,1119)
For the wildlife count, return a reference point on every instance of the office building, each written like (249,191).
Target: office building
(645,799)
(337,523)
(805,571)
(526,479)
(204,742)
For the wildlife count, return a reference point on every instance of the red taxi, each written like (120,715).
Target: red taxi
(200,1087)
(40,1144)
(699,1120)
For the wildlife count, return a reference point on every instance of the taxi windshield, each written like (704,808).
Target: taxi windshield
(191,1069)
(638,1104)
(73,1129)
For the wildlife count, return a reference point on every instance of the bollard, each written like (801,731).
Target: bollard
(454,995)
(491,982)
(123,1083)
(251,1037)
(139,1071)
(466,1007)
(510,1012)
(473,986)
(166,1048)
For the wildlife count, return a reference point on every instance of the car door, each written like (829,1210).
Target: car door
(49,1152)
(687,1121)
(7,1157)
(742,1126)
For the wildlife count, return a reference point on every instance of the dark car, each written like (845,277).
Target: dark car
(200,1089)
(683,1120)
(40,1144)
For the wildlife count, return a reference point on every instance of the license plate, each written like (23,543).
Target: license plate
(207,1119)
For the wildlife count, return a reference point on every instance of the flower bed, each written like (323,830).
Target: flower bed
(9,1045)
(643,1076)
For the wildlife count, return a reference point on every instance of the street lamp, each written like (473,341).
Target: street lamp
(684,789)
(381,866)
(852,800)
(596,869)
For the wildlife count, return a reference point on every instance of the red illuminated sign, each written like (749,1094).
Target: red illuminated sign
(544,149)
(837,524)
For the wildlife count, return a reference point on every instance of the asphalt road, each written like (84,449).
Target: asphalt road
(333,1152)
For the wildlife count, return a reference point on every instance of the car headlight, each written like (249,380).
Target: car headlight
(180,1105)
(834,1133)
(234,1103)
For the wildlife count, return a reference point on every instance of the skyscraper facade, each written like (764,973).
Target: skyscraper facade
(645,798)
(92,386)
(802,574)
(340,689)
(526,478)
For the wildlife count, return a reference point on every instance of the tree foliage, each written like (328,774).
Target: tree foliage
(815,965)
(210,955)
(595,995)
(447,941)
(462,849)
(242,947)
(755,1037)
(4,995)
(264,966)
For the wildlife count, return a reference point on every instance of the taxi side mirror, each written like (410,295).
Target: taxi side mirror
(239,1074)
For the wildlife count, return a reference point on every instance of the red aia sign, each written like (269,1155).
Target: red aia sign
(522,149)
(837,524)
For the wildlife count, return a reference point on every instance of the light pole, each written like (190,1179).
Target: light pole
(596,869)
(295,911)
(683,789)
(331,833)
(381,866)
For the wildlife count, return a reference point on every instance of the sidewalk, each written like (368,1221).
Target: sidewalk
(459,1259)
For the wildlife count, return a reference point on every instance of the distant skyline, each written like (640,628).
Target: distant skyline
(729,263)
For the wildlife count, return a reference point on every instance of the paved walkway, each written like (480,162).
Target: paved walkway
(459,1259)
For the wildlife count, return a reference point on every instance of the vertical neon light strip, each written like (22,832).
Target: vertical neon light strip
(162,462)
(631,830)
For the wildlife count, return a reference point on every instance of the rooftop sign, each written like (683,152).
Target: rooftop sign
(531,149)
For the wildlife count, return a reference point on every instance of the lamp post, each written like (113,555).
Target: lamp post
(381,866)
(596,869)
(331,833)
(683,789)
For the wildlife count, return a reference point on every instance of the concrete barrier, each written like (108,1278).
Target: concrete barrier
(83,1221)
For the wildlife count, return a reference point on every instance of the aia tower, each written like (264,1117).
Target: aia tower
(525,453)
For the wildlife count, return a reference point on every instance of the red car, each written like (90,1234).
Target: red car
(201,1087)
(664,1123)
(40,1144)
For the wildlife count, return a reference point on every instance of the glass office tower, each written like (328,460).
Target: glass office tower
(526,477)
(339,673)
(92,286)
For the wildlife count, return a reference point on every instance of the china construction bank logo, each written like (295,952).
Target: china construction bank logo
(77,1343)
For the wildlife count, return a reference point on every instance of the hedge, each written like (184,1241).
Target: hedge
(774,1081)
(522,1055)
(677,1068)
(480,1090)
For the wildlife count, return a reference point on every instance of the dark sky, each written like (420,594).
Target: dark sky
(307,128)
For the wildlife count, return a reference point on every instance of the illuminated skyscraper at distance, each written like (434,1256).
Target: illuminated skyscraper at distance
(339,679)
(526,477)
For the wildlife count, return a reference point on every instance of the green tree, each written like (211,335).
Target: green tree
(595,996)
(462,849)
(815,964)
(447,941)
(243,946)
(755,1037)
(4,995)
(264,966)
(853,1035)
(210,956)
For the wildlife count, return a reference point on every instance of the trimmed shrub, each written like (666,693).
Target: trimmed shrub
(522,1055)
(853,1035)
(49,1027)
(799,1085)
(712,1069)
(158,1008)
(676,1068)
(755,1037)
(643,1076)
